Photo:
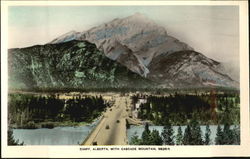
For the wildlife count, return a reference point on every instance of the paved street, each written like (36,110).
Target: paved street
(112,128)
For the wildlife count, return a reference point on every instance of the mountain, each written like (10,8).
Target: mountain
(188,69)
(72,35)
(72,64)
(147,49)
(135,37)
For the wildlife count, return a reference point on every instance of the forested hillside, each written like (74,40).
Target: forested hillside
(74,64)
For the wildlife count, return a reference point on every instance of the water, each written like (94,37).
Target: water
(55,136)
(137,130)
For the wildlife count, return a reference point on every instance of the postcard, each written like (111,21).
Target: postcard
(124,79)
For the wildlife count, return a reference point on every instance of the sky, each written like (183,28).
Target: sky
(211,30)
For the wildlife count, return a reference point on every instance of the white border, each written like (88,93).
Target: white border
(175,151)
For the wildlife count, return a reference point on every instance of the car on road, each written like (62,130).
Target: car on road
(94,143)
(107,126)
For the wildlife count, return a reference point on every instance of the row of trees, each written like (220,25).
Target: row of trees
(84,109)
(179,108)
(227,136)
(192,136)
(128,89)
(25,109)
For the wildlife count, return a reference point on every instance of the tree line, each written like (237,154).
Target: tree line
(126,89)
(192,136)
(178,109)
(25,111)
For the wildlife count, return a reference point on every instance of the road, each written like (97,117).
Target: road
(115,119)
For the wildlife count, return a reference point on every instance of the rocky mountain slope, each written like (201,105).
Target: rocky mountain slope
(188,69)
(145,48)
(136,38)
(72,64)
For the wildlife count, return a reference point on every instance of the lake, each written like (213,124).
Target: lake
(56,136)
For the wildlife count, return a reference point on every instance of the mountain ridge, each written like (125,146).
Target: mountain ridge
(72,64)
(138,44)
(139,34)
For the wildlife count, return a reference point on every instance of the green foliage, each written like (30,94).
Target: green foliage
(30,125)
(155,138)
(11,140)
(219,136)
(26,111)
(178,108)
(207,136)
(135,140)
(146,135)
(148,138)
(168,134)
(179,137)
(73,64)
(236,135)
(196,134)
(192,134)
(84,109)
(49,125)
(227,136)
(187,138)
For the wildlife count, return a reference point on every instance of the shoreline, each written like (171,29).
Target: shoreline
(53,124)
(120,90)
(49,125)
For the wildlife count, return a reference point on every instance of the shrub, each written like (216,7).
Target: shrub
(30,125)
(48,125)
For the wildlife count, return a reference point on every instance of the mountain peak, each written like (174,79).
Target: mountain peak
(139,37)
(145,48)
(140,18)
(68,33)
(138,14)
(71,35)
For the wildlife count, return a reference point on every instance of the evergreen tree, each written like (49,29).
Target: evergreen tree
(155,138)
(11,140)
(236,134)
(146,135)
(179,137)
(219,136)
(228,137)
(135,140)
(207,135)
(168,134)
(187,138)
(196,133)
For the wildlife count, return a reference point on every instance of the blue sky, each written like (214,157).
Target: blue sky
(212,30)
